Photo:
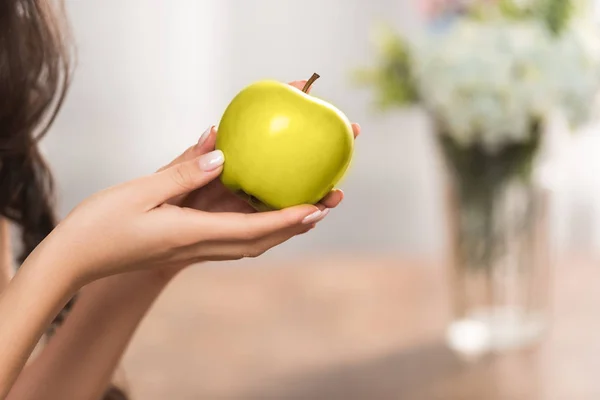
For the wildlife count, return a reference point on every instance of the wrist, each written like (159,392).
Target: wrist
(69,266)
(47,265)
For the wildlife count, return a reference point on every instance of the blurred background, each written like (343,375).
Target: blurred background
(152,75)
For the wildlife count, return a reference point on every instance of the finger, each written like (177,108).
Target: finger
(356,129)
(250,227)
(227,250)
(207,141)
(258,248)
(215,197)
(268,242)
(178,179)
(333,199)
(205,144)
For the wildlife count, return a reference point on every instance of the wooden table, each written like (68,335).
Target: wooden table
(350,328)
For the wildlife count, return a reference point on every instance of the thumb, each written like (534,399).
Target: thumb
(182,178)
(205,144)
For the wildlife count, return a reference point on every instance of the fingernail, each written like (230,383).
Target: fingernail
(315,217)
(204,136)
(211,161)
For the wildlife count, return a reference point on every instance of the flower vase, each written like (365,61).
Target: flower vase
(498,214)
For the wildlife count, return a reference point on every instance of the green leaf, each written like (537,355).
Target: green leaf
(556,14)
(391,78)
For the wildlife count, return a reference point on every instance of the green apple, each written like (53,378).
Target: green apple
(282,146)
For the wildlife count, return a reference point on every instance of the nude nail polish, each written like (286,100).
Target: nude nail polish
(211,161)
(315,217)
(204,136)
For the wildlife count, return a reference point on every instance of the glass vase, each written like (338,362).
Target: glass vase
(500,266)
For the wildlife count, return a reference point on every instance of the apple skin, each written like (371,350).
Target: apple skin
(283,147)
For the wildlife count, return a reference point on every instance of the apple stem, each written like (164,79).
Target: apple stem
(309,82)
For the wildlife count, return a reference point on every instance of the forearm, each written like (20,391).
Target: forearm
(80,359)
(27,306)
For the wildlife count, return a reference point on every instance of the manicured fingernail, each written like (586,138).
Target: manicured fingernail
(315,217)
(204,136)
(323,214)
(211,161)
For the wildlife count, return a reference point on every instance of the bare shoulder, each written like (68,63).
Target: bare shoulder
(6,258)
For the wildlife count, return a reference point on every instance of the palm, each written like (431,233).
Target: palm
(215,197)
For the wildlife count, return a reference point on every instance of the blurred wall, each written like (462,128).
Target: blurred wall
(152,75)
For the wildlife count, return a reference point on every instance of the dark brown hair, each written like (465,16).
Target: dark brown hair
(35,72)
(34,76)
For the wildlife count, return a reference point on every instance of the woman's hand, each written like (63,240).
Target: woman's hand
(133,226)
(178,216)
(148,222)
(215,197)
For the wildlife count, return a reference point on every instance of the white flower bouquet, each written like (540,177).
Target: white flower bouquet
(489,83)
(489,73)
